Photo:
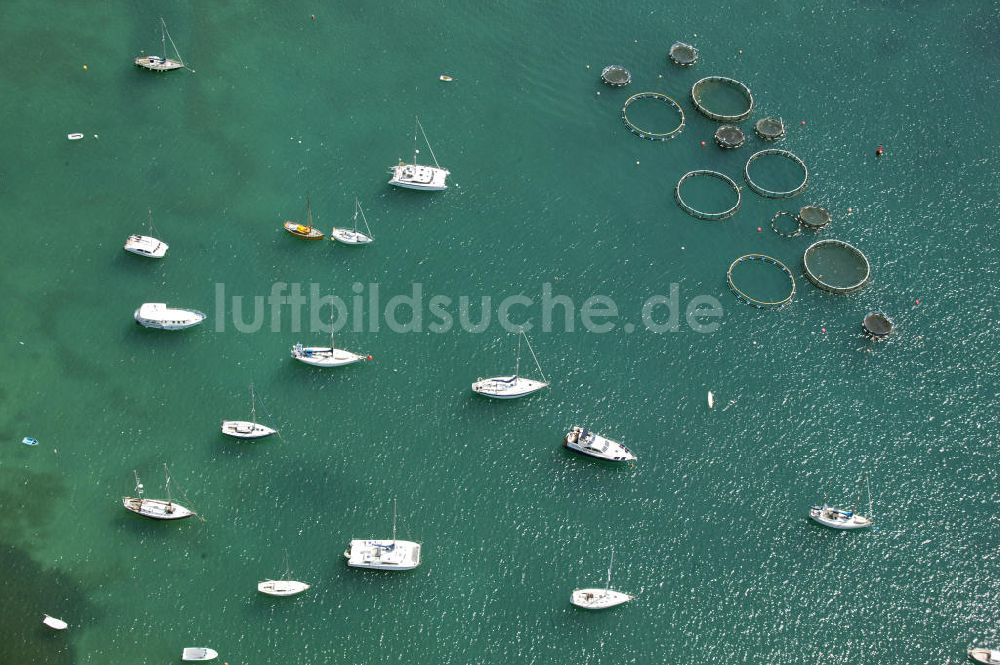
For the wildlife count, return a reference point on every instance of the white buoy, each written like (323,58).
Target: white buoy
(711,400)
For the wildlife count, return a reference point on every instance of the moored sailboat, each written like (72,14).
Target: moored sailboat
(599,599)
(283,587)
(162,63)
(511,387)
(419,176)
(843,518)
(306,231)
(384,554)
(353,236)
(147,246)
(156,509)
(247,429)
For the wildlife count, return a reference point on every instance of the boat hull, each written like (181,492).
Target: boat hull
(417,176)
(54,623)
(157,64)
(349,237)
(281,587)
(383,554)
(156,509)
(827,516)
(598,599)
(199,653)
(303,231)
(985,656)
(507,387)
(244,429)
(161,317)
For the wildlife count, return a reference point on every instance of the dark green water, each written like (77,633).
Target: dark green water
(547,186)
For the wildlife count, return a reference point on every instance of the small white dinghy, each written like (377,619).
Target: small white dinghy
(75,136)
(199,653)
(586,442)
(353,236)
(600,599)
(54,623)
(987,656)
(247,429)
(511,387)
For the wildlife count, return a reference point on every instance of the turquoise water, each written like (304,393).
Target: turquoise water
(709,527)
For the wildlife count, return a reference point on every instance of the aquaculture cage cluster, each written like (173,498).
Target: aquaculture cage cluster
(877,326)
(836,266)
(814,218)
(616,76)
(770,128)
(699,87)
(683,54)
(729,137)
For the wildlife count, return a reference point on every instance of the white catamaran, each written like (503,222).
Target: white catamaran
(841,518)
(156,509)
(418,176)
(353,236)
(510,387)
(384,554)
(147,246)
(247,429)
(162,63)
(599,599)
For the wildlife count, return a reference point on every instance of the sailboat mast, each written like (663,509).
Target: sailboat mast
(517,364)
(415,150)
(309,212)
(610,565)
(871,511)
(166,474)
(433,156)
(394,520)
(253,406)
(538,365)
(163,37)
(357,204)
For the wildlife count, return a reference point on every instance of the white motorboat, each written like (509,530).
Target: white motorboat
(353,236)
(584,441)
(247,429)
(711,400)
(199,653)
(841,518)
(511,387)
(384,554)
(599,599)
(324,356)
(54,623)
(156,509)
(162,63)
(987,656)
(281,587)
(158,315)
(418,176)
(147,246)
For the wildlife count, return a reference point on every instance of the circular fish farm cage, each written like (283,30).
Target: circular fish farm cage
(770,128)
(797,231)
(616,76)
(683,54)
(814,218)
(729,137)
(707,84)
(769,193)
(761,303)
(648,134)
(836,267)
(877,326)
(700,214)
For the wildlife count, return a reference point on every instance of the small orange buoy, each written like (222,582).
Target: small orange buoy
(370,357)
(759,229)
(918,301)
(879,151)
(823,329)
(702,144)
(803,122)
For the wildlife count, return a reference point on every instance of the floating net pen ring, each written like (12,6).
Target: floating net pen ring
(781,232)
(743,296)
(770,193)
(694,212)
(854,252)
(645,134)
(720,117)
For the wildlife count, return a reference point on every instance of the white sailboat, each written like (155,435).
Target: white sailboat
(418,176)
(353,236)
(156,509)
(54,623)
(199,653)
(841,518)
(282,587)
(247,429)
(384,554)
(582,440)
(326,356)
(147,246)
(599,599)
(162,63)
(511,387)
